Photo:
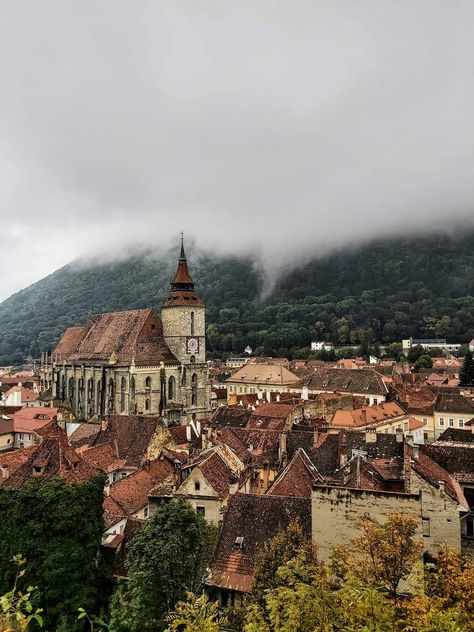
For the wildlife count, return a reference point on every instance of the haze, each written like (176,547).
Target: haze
(279,129)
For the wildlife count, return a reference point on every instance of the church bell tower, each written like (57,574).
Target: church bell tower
(184,317)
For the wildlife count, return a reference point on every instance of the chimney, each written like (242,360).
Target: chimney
(233,484)
(315,437)
(5,471)
(282,448)
(304,393)
(278,397)
(266,476)
(342,449)
(371,436)
(441,488)
(416,452)
(408,462)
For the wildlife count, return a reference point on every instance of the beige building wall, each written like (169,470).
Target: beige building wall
(439,514)
(205,497)
(6,441)
(335,512)
(441,421)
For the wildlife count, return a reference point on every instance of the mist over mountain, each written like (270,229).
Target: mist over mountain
(381,292)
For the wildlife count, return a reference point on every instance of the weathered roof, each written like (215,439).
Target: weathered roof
(454,403)
(84,434)
(52,458)
(297,478)
(432,471)
(216,472)
(256,519)
(272,374)
(456,435)
(455,459)
(370,415)
(121,337)
(131,492)
(132,434)
(360,381)
(236,416)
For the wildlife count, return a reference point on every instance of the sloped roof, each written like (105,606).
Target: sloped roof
(360,381)
(131,492)
(236,416)
(216,472)
(368,415)
(52,458)
(297,478)
(26,394)
(455,459)
(432,471)
(272,374)
(256,519)
(129,335)
(132,434)
(454,403)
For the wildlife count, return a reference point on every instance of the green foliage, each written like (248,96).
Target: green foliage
(423,362)
(16,608)
(58,529)
(167,558)
(196,614)
(382,292)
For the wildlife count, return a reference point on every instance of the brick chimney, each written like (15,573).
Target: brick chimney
(342,449)
(282,448)
(266,476)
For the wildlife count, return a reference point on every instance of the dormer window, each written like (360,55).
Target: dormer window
(239,542)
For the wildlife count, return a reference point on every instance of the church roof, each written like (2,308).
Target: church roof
(117,337)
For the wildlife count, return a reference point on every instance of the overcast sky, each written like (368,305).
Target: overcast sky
(283,127)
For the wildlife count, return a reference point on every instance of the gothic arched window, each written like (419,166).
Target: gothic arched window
(171,388)
(194,394)
(192,323)
(99,397)
(70,389)
(111,395)
(123,385)
(147,404)
(132,389)
(148,384)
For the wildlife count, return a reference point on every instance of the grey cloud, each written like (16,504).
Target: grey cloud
(274,127)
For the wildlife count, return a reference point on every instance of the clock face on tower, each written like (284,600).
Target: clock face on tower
(192,345)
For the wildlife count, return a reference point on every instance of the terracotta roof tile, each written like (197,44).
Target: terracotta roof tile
(256,519)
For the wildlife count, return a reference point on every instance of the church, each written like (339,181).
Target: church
(136,363)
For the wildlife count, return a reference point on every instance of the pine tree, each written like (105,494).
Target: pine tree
(466,377)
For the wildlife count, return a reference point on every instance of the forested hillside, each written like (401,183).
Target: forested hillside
(383,292)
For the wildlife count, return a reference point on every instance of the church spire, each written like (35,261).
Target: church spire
(182,285)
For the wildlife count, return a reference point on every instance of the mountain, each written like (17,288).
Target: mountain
(380,292)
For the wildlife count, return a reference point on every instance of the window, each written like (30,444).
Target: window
(425,420)
(192,359)
(441,421)
(197,486)
(451,422)
(147,404)
(201,510)
(145,512)
(461,423)
(194,394)
(171,388)
(148,384)
(192,323)
(425,523)
(123,385)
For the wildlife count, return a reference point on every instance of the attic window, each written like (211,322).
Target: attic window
(239,542)
(152,326)
(197,486)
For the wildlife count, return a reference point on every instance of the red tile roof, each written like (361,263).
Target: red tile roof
(129,335)
(131,492)
(297,478)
